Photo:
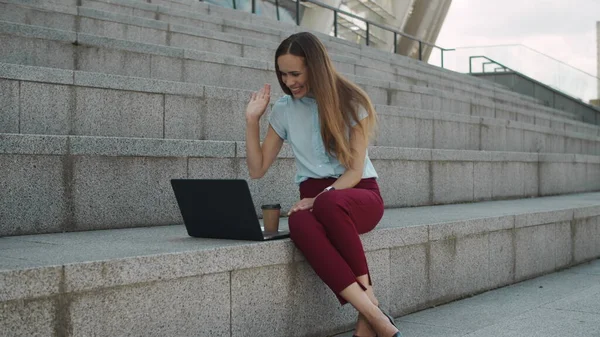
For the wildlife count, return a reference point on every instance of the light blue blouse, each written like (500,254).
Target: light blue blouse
(297,122)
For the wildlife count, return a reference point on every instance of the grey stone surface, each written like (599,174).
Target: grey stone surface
(586,212)
(213,168)
(390,153)
(542,218)
(167,68)
(125,45)
(183,118)
(29,283)
(25,51)
(586,235)
(56,17)
(113,113)
(9,106)
(452,182)
(139,147)
(22,189)
(124,31)
(133,21)
(222,75)
(495,312)
(544,322)
(91,58)
(563,244)
(393,232)
(30,318)
(482,107)
(458,267)
(262,300)
(32,31)
(32,144)
(514,138)
(405,99)
(456,135)
(553,177)
(183,40)
(502,258)
(535,250)
(110,81)
(482,184)
(174,308)
(46,109)
(462,155)
(514,179)
(224,116)
(117,192)
(493,135)
(409,279)
(459,229)
(30,73)
(534,141)
(406,183)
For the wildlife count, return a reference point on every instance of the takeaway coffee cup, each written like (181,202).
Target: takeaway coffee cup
(271,217)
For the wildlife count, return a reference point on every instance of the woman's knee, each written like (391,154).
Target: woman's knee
(327,205)
(299,223)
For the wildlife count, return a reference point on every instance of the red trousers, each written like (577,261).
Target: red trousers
(328,236)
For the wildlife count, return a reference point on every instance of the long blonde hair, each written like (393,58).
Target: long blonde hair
(338,99)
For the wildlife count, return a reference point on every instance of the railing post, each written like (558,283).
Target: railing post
(442,62)
(470,64)
(367,33)
(395,43)
(277,9)
(335,32)
(297,12)
(234,5)
(420,50)
(253,6)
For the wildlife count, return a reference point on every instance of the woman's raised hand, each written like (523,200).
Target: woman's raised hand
(258,103)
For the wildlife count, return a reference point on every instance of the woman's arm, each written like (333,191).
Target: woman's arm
(353,174)
(259,158)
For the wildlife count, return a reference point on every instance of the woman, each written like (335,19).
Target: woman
(328,121)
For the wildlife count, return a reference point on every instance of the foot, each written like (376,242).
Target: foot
(363,328)
(381,324)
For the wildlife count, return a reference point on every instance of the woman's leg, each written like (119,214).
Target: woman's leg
(372,314)
(363,328)
(345,214)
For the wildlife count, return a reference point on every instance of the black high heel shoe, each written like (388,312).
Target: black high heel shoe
(390,318)
(397,334)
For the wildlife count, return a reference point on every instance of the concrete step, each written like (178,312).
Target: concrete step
(160,282)
(73,183)
(95,104)
(558,304)
(230,43)
(69,50)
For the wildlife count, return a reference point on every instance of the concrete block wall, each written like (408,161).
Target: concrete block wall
(434,262)
(100,183)
(99,26)
(128,109)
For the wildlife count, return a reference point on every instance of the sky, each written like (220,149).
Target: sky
(563,29)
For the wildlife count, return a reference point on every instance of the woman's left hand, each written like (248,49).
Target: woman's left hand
(306,203)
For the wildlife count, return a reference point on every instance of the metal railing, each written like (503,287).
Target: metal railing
(337,12)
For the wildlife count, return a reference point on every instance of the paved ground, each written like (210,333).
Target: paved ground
(566,303)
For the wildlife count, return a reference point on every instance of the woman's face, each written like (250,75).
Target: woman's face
(293,74)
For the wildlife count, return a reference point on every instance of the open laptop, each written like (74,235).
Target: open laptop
(220,209)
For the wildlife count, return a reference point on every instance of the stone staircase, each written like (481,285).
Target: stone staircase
(104,101)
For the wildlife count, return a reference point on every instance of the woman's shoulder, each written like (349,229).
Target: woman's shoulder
(283,100)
